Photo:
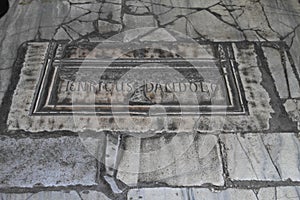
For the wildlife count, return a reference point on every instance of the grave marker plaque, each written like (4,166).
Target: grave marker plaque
(87,79)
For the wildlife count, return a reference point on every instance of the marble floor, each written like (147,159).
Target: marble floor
(150,99)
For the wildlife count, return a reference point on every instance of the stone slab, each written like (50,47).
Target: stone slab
(157,194)
(253,115)
(278,72)
(177,160)
(279,193)
(262,157)
(58,161)
(190,193)
(53,195)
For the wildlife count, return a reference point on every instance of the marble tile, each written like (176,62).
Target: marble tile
(293,78)
(228,194)
(190,193)
(277,70)
(111,153)
(284,150)
(177,160)
(12,196)
(129,164)
(106,27)
(45,195)
(157,194)
(248,158)
(45,162)
(90,195)
(53,195)
(292,107)
(132,21)
(264,157)
(167,159)
(279,193)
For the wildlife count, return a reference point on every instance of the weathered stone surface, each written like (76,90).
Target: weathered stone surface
(89,195)
(292,107)
(226,20)
(248,158)
(111,153)
(12,196)
(279,193)
(157,194)
(111,11)
(278,73)
(269,157)
(132,21)
(53,195)
(45,162)
(293,78)
(181,160)
(284,150)
(191,193)
(106,27)
(256,95)
(231,194)
(24,103)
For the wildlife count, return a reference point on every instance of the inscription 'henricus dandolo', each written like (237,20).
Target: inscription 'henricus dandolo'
(75,84)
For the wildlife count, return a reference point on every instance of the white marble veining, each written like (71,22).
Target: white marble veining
(181,160)
(264,157)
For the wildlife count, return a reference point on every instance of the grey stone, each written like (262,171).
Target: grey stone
(269,157)
(228,194)
(13,196)
(111,153)
(292,75)
(182,160)
(284,150)
(190,193)
(5,76)
(45,162)
(89,195)
(251,78)
(139,7)
(1,97)
(198,25)
(292,107)
(53,195)
(106,27)
(248,158)
(279,193)
(133,21)
(157,194)
(45,195)
(111,10)
(277,71)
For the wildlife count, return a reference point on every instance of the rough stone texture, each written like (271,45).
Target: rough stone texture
(181,160)
(88,195)
(248,158)
(157,194)
(261,157)
(279,193)
(132,21)
(45,162)
(271,193)
(191,193)
(292,107)
(251,78)
(53,195)
(264,157)
(277,70)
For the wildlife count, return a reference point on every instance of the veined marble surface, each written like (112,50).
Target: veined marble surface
(252,156)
